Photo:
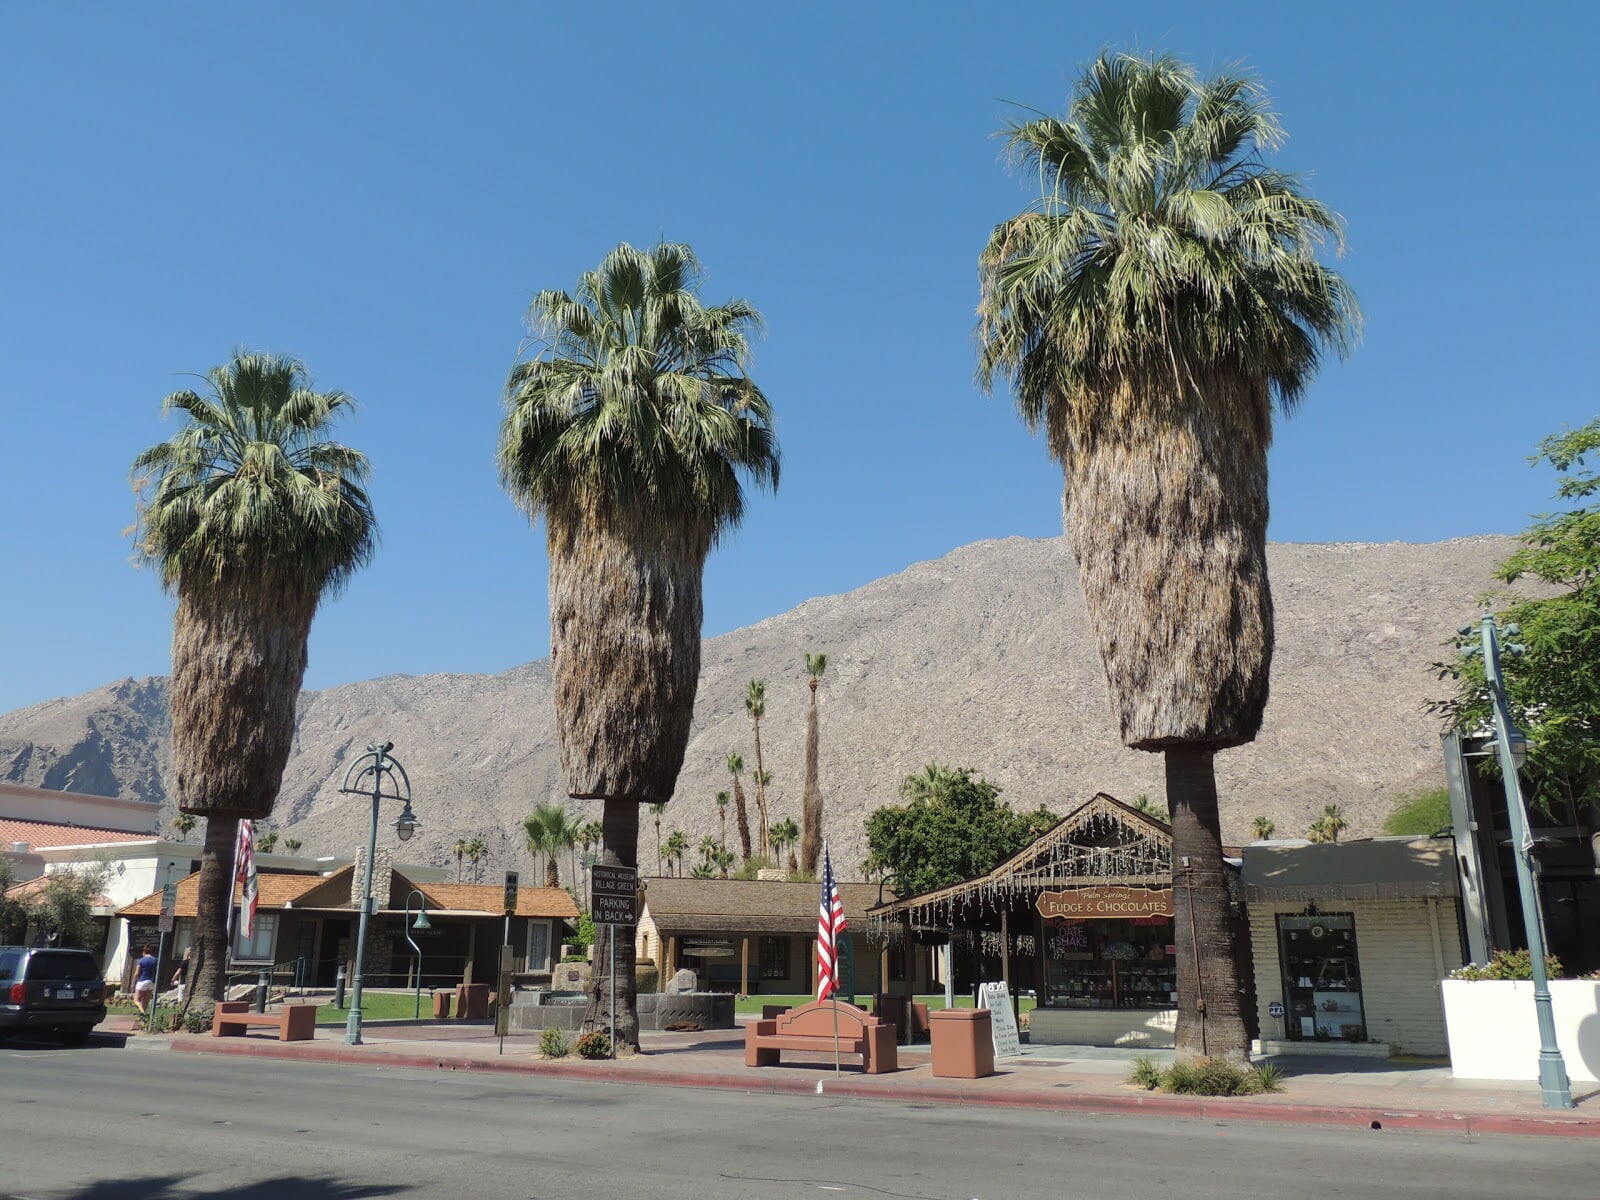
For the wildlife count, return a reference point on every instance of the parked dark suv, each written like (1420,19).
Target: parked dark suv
(50,991)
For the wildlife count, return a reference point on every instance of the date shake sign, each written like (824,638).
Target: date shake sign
(1106,902)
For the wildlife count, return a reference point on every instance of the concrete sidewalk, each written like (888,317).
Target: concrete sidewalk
(1379,1094)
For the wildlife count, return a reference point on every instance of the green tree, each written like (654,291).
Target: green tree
(783,835)
(459,849)
(477,854)
(677,847)
(1151,808)
(1552,685)
(723,859)
(630,432)
(657,810)
(183,825)
(252,515)
(62,911)
(952,826)
(549,830)
(702,871)
(267,841)
(1420,814)
(741,812)
(811,791)
(292,845)
(1329,825)
(722,819)
(1262,828)
(755,704)
(1160,299)
(707,848)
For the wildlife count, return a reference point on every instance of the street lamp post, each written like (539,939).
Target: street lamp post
(366,778)
(1512,748)
(422,925)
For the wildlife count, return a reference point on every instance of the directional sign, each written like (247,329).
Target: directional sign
(169,899)
(509,906)
(613,894)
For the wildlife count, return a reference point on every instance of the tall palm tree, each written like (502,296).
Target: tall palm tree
(477,854)
(549,831)
(1162,296)
(459,849)
(755,703)
(656,811)
(722,819)
(628,432)
(785,834)
(811,792)
(677,847)
(1262,828)
(741,813)
(252,515)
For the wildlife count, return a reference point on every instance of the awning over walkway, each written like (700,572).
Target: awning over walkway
(1394,868)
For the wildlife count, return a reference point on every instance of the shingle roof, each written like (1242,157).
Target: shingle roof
(44,835)
(33,887)
(490,898)
(274,890)
(754,905)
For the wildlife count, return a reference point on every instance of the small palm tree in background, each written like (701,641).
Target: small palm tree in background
(784,835)
(755,703)
(252,515)
(741,812)
(477,855)
(723,860)
(183,825)
(292,845)
(1150,808)
(549,831)
(459,849)
(266,841)
(811,792)
(1262,828)
(1328,826)
(703,871)
(707,847)
(657,810)
(722,819)
(677,847)
(1161,297)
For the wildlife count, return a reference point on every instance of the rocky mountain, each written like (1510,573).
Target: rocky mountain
(981,658)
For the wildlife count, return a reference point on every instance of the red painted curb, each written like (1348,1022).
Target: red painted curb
(1133,1104)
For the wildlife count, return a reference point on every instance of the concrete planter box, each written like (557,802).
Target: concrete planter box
(709,1010)
(1494,1034)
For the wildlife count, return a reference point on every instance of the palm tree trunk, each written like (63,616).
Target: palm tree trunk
(1211,1018)
(552,872)
(722,838)
(761,793)
(811,795)
(208,964)
(619,847)
(741,819)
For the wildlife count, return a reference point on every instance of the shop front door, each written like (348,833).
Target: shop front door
(1321,977)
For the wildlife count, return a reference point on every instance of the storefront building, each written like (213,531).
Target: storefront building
(1350,941)
(1082,918)
(758,937)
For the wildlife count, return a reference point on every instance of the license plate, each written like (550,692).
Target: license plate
(66,994)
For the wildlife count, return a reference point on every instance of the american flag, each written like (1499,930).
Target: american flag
(244,873)
(830,925)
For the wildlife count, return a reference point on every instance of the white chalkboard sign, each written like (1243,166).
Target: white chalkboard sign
(996,997)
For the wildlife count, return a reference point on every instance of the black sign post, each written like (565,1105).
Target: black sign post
(510,905)
(613,899)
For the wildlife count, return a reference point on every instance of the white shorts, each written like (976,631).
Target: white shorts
(145,985)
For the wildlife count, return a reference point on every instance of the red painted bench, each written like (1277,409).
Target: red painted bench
(294,1022)
(811,1027)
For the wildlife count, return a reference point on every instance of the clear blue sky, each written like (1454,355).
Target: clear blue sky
(380,188)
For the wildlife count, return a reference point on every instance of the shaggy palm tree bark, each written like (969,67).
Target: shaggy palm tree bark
(811,796)
(1166,503)
(238,658)
(741,818)
(1211,1016)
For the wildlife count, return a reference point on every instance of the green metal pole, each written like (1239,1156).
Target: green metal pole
(352,1029)
(1553,1082)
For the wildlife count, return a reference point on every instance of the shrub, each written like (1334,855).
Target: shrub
(1507,964)
(593,1045)
(1206,1077)
(197,1020)
(553,1043)
(585,932)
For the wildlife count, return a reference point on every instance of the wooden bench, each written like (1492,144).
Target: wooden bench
(811,1027)
(294,1022)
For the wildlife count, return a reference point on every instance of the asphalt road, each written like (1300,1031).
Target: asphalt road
(119,1124)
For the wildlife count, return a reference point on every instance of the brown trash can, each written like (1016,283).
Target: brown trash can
(441,1005)
(963,1043)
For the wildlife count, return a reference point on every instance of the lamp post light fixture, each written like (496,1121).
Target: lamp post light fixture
(421,925)
(379,775)
(1512,747)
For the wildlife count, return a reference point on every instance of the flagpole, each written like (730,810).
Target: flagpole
(833,974)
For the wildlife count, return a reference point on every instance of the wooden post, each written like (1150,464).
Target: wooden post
(472,945)
(908,963)
(813,966)
(672,958)
(1005,948)
(744,965)
(883,967)
(661,962)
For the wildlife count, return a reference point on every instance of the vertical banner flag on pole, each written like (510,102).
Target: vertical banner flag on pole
(830,924)
(244,873)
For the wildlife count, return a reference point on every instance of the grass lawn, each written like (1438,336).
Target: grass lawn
(378,1006)
(751,1005)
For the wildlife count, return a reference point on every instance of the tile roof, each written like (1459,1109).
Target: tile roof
(748,905)
(490,898)
(43,835)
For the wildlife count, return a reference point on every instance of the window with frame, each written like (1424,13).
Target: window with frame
(258,946)
(773,955)
(538,945)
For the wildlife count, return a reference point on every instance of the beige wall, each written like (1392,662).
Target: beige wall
(1404,948)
